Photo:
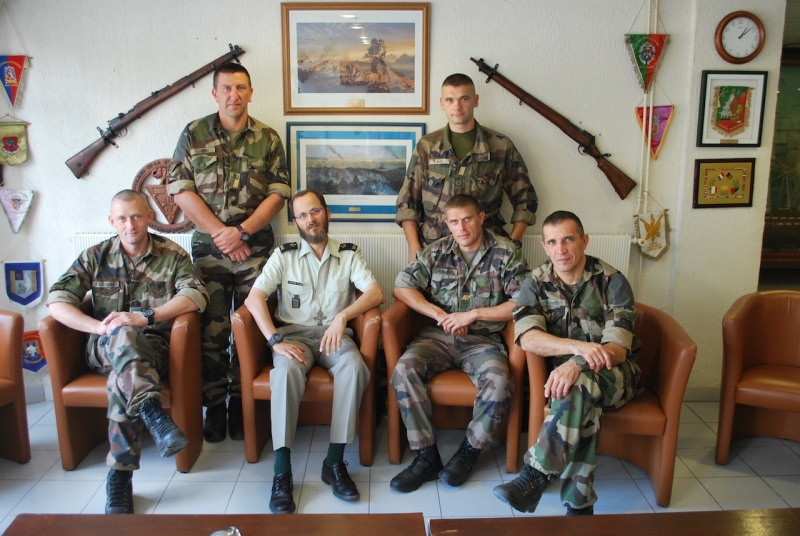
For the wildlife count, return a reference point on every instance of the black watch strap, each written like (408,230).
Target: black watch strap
(244,236)
(275,339)
(150,315)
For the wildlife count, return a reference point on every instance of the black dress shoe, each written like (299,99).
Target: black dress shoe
(588,511)
(119,492)
(214,425)
(235,420)
(424,468)
(458,468)
(281,501)
(339,480)
(169,438)
(524,492)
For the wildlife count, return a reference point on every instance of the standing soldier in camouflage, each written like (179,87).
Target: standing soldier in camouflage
(474,276)
(229,176)
(463,158)
(579,311)
(140,283)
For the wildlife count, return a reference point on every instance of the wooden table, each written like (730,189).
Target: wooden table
(280,525)
(777,522)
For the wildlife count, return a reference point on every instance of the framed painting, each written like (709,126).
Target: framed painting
(355,58)
(358,167)
(731,108)
(720,183)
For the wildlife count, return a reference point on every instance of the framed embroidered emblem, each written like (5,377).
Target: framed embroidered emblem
(724,182)
(731,108)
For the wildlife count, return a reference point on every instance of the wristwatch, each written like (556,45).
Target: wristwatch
(275,339)
(150,315)
(516,242)
(244,236)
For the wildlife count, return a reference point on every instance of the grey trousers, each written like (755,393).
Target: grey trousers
(288,383)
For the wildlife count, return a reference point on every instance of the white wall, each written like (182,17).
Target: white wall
(95,58)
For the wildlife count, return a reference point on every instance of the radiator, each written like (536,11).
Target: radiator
(386,255)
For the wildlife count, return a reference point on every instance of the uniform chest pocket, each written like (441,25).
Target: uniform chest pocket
(340,286)
(444,280)
(432,188)
(106,288)
(158,290)
(205,171)
(484,187)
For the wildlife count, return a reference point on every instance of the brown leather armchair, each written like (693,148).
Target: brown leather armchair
(81,400)
(15,443)
(452,393)
(645,430)
(760,392)
(316,406)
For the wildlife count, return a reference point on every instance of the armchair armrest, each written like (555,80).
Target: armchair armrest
(10,368)
(65,349)
(250,345)
(184,358)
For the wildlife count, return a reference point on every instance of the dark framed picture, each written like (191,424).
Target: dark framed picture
(358,167)
(731,108)
(355,58)
(721,183)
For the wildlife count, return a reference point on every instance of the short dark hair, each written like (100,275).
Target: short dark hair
(128,195)
(563,215)
(231,68)
(301,193)
(458,80)
(463,201)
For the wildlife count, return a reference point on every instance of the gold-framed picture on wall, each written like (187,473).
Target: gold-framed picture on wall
(356,58)
(724,183)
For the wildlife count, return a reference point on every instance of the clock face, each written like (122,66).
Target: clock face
(740,37)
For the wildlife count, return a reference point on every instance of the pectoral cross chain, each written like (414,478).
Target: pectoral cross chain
(320,317)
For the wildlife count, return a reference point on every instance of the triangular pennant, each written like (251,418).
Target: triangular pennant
(16,204)
(23,282)
(645,51)
(662,116)
(33,357)
(11,68)
(14,150)
(655,241)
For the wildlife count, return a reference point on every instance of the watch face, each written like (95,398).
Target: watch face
(740,37)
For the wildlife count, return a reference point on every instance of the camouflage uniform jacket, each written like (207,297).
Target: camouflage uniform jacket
(232,183)
(496,276)
(601,310)
(435,175)
(163,272)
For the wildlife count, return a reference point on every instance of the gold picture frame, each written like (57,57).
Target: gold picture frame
(724,183)
(356,58)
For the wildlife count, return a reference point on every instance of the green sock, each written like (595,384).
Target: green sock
(283,461)
(335,454)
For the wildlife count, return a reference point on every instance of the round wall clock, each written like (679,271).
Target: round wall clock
(740,37)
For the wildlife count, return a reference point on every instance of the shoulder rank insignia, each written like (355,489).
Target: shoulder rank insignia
(345,246)
(288,246)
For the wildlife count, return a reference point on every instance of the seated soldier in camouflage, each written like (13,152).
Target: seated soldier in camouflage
(474,277)
(139,283)
(579,311)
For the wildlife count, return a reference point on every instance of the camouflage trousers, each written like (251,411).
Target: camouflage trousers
(485,361)
(568,439)
(228,284)
(134,360)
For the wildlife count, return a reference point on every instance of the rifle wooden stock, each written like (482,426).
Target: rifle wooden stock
(620,181)
(80,163)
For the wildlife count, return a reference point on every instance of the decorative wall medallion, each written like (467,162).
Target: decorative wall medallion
(152,182)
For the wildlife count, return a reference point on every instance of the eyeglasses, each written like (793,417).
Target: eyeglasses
(313,212)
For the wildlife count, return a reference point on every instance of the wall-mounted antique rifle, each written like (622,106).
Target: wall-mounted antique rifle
(622,183)
(79,164)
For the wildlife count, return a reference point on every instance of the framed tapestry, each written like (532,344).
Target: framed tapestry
(731,108)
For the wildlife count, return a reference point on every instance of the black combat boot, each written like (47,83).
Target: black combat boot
(235,420)
(524,492)
(588,511)
(169,438)
(425,467)
(215,423)
(458,468)
(119,492)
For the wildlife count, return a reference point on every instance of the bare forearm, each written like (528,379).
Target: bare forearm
(372,297)
(410,230)
(196,210)
(174,308)
(544,344)
(256,303)
(498,313)
(518,230)
(620,354)
(74,318)
(264,214)
(414,299)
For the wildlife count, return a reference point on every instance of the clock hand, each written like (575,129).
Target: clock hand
(744,32)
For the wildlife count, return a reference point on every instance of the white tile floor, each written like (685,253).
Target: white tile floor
(762,473)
